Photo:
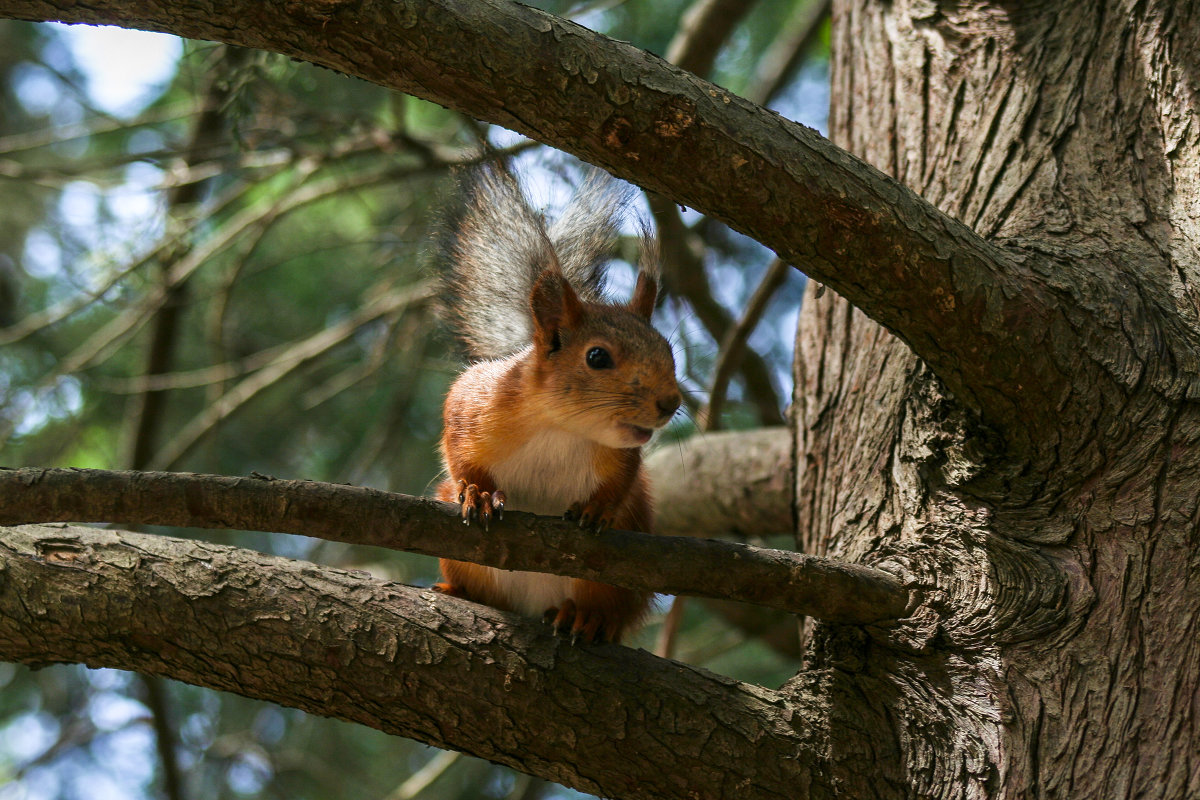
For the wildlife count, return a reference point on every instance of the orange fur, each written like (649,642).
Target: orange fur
(554,422)
(544,427)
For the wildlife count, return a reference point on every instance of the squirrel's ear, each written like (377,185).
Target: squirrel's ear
(555,306)
(644,295)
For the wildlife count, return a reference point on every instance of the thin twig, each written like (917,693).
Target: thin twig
(703,31)
(787,53)
(733,346)
(298,354)
(420,780)
(665,647)
(683,267)
(159,704)
(58,134)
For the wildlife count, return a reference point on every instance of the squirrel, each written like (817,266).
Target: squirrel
(564,390)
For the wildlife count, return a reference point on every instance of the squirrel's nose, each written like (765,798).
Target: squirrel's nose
(668,405)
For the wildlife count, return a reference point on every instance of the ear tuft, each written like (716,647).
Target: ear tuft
(555,307)
(644,295)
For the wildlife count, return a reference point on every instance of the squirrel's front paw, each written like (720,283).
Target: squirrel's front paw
(591,515)
(480,505)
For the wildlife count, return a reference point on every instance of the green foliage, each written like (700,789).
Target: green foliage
(275,222)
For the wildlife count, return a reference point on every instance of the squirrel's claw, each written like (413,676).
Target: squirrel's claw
(601,522)
(559,617)
(485,509)
(590,517)
(581,623)
(498,500)
(479,505)
(552,616)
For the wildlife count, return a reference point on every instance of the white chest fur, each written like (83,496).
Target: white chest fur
(544,476)
(548,473)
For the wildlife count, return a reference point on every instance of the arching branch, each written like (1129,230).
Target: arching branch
(927,277)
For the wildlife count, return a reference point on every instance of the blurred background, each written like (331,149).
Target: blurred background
(219,260)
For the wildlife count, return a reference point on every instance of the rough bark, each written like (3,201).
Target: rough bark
(1069,138)
(403,660)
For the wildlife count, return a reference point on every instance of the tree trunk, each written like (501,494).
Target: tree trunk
(1062,547)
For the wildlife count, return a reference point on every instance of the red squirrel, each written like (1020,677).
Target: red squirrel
(565,390)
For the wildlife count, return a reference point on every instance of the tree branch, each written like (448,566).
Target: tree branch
(795,582)
(787,53)
(733,346)
(705,27)
(746,477)
(747,481)
(682,256)
(599,718)
(924,275)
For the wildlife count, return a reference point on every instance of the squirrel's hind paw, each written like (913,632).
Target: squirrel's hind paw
(582,623)
(447,588)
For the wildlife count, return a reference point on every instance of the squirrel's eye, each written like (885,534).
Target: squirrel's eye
(598,358)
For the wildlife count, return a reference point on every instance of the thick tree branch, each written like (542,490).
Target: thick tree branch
(803,584)
(929,278)
(746,479)
(600,718)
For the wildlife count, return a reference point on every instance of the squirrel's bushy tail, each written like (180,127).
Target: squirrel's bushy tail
(496,245)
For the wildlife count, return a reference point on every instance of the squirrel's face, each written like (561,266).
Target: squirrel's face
(611,379)
(605,372)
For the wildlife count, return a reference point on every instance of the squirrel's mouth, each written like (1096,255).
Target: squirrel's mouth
(638,433)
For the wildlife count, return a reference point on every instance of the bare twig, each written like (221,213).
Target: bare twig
(733,346)
(665,646)
(58,134)
(298,354)
(420,780)
(787,52)
(159,703)
(32,323)
(702,32)
(683,268)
